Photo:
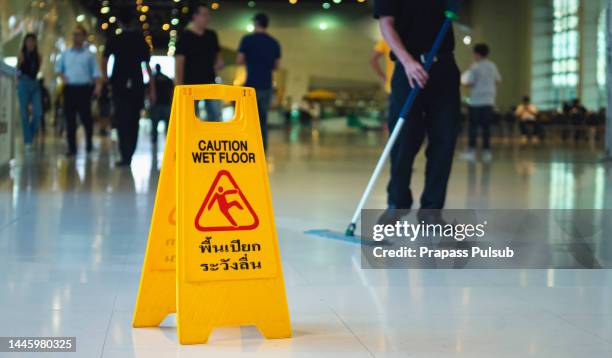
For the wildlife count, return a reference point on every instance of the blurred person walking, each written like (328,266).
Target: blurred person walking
(482,78)
(160,111)
(28,89)
(45,98)
(527,115)
(78,69)
(105,111)
(261,53)
(578,113)
(58,110)
(410,28)
(130,51)
(383,51)
(198,56)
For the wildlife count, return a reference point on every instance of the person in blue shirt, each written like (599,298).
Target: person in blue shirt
(261,54)
(78,69)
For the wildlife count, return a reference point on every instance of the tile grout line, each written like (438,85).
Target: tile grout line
(130,245)
(558,316)
(16,218)
(595,334)
(9,224)
(110,320)
(353,333)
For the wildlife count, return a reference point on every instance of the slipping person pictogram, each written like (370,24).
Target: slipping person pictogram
(216,212)
(225,206)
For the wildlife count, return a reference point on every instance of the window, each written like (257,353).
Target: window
(602,50)
(565,49)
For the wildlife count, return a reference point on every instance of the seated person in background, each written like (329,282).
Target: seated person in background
(600,124)
(527,115)
(577,114)
(576,108)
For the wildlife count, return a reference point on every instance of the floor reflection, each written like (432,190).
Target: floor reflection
(73,235)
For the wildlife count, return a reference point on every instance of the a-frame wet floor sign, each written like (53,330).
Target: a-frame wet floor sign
(212,255)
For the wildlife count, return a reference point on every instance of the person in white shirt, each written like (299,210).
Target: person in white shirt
(527,115)
(482,78)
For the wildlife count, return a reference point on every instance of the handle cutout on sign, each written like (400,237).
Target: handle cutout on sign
(215,110)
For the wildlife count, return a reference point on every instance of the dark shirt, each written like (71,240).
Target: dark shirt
(200,53)
(163,87)
(417,23)
(261,52)
(578,109)
(130,51)
(30,64)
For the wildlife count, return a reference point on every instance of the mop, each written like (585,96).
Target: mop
(349,234)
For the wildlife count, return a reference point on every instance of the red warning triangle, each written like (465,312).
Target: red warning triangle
(225,207)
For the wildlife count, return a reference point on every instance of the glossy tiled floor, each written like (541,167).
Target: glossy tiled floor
(73,234)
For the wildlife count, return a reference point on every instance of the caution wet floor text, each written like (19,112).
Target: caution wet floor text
(212,255)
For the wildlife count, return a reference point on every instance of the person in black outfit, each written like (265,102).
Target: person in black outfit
(160,111)
(198,56)
(410,28)
(127,85)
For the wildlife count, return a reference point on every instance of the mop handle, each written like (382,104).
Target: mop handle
(450,16)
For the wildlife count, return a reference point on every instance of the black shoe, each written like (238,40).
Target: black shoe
(431,216)
(391,216)
(122,163)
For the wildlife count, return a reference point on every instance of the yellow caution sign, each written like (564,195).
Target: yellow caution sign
(214,195)
(157,293)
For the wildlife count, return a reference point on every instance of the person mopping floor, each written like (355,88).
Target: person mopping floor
(410,28)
